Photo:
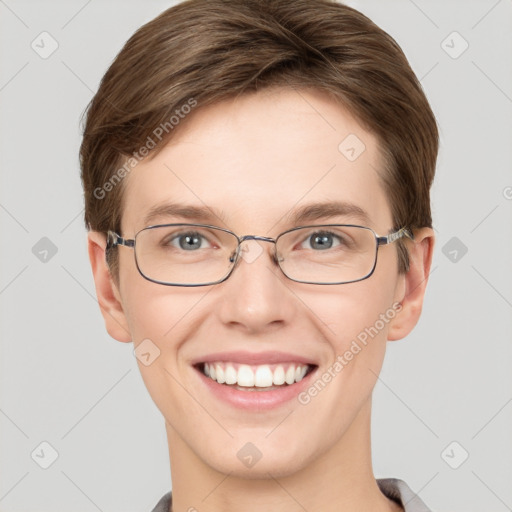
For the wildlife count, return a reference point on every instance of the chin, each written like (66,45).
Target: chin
(260,459)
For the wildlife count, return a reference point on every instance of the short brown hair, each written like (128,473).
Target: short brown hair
(203,51)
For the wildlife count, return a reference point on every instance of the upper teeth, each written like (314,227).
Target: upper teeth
(259,376)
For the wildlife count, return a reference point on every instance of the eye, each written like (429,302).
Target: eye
(322,240)
(189,241)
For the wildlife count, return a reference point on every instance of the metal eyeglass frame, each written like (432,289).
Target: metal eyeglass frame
(115,240)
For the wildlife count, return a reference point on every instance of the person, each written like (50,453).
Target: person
(256,177)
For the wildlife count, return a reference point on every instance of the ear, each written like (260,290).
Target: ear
(109,298)
(415,283)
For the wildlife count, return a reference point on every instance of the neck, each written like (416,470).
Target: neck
(340,479)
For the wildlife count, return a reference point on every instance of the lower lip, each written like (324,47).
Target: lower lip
(256,400)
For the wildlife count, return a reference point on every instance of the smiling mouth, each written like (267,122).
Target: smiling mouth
(265,377)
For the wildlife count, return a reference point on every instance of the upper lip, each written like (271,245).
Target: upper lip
(254,358)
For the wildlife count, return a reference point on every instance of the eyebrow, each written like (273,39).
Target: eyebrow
(183,211)
(327,210)
(308,213)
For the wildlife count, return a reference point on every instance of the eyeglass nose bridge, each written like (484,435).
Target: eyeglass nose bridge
(257,238)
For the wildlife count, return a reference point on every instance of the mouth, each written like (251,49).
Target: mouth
(255,386)
(265,377)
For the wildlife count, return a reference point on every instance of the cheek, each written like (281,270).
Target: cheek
(355,319)
(152,310)
(161,321)
(162,314)
(352,310)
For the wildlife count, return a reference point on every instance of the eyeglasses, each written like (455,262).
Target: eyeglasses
(202,255)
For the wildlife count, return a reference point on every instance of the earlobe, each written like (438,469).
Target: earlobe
(415,283)
(107,293)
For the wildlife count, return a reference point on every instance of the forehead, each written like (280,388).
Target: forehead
(257,162)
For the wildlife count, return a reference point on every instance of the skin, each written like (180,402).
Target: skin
(255,159)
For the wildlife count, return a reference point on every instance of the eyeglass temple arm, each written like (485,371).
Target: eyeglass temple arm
(113,240)
(393,237)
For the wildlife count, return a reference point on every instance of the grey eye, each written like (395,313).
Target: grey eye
(322,241)
(189,241)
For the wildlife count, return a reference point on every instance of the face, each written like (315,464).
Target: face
(254,162)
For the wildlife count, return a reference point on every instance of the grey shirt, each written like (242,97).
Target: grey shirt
(394,489)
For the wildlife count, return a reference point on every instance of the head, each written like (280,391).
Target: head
(253,111)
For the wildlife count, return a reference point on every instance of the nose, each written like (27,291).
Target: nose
(256,298)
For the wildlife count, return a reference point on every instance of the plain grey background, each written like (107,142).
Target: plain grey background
(443,404)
